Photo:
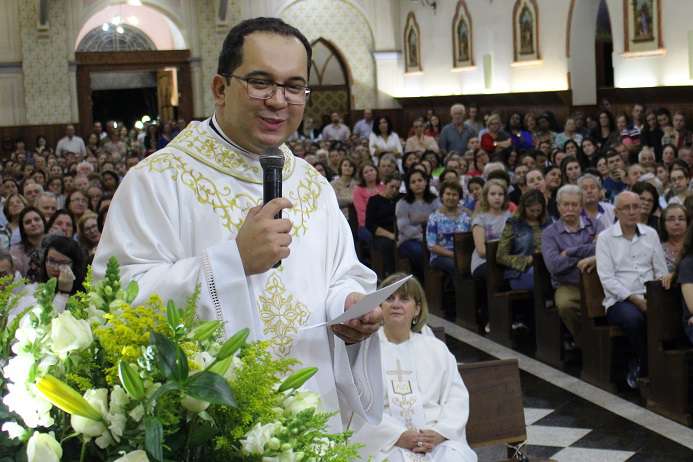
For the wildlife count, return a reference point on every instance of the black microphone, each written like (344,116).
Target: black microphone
(272,162)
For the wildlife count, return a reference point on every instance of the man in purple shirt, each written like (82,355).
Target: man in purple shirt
(568,247)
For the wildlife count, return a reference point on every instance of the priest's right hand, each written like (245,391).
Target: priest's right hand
(263,240)
(409,440)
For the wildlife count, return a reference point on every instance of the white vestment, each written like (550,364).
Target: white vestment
(423,391)
(173,223)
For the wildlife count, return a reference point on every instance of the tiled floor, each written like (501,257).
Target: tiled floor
(565,427)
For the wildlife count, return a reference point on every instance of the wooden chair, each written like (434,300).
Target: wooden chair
(500,299)
(496,413)
(598,338)
(547,322)
(465,288)
(669,390)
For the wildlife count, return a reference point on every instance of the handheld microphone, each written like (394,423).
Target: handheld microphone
(272,162)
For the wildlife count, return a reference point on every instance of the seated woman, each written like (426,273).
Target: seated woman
(62,223)
(368,187)
(89,234)
(442,226)
(27,253)
(673,225)
(344,185)
(412,213)
(380,222)
(521,239)
(417,369)
(488,222)
(649,204)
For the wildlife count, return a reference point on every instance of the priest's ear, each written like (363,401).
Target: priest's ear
(219,89)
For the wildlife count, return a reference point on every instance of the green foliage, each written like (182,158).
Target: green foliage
(300,432)
(254,387)
(9,298)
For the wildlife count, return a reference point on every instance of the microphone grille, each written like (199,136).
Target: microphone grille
(273,158)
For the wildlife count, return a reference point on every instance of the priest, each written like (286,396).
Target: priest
(191,214)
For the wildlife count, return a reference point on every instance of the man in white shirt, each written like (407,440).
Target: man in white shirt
(336,131)
(628,255)
(71,143)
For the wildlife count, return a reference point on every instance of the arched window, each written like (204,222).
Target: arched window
(124,37)
(329,82)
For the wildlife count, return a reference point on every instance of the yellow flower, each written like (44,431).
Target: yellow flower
(66,398)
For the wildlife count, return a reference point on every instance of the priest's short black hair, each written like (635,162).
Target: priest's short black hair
(231,55)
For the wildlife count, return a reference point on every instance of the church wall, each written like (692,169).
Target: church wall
(345,25)
(492,35)
(12,110)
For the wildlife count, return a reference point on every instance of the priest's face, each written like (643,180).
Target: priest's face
(254,123)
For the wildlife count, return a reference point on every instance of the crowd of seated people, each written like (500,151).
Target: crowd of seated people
(54,200)
(534,185)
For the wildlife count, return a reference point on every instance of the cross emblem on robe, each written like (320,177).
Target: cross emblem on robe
(399,372)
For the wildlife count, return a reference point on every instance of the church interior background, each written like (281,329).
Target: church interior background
(79,61)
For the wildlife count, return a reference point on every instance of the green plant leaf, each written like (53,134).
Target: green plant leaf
(132,383)
(172,360)
(154,438)
(173,315)
(210,387)
(162,390)
(131,292)
(233,344)
(205,330)
(297,379)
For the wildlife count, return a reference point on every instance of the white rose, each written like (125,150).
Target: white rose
(137,413)
(300,401)
(134,456)
(119,399)
(256,439)
(43,448)
(69,334)
(194,405)
(26,334)
(29,404)
(98,399)
(13,429)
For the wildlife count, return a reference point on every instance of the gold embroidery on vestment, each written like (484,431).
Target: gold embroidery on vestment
(281,314)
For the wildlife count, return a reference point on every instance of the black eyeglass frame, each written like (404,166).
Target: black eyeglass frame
(275,86)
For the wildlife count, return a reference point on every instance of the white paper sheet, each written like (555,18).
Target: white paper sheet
(365,305)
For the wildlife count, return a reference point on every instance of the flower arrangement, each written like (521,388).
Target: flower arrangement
(105,380)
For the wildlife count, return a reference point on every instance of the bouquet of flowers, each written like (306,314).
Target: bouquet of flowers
(105,380)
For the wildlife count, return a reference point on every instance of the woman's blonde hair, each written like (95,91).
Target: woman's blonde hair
(483,200)
(412,288)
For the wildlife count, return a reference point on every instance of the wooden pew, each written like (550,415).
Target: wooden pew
(496,413)
(500,299)
(669,389)
(439,332)
(598,337)
(546,319)
(465,288)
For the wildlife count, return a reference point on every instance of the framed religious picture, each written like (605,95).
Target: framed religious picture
(642,25)
(526,31)
(462,51)
(412,45)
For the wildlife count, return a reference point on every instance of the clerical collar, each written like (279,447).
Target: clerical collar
(214,125)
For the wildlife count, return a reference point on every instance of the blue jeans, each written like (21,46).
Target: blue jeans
(445,264)
(524,281)
(632,321)
(414,252)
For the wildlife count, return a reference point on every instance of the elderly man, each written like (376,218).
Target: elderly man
(628,255)
(456,135)
(336,130)
(47,204)
(70,143)
(568,247)
(364,127)
(31,192)
(593,207)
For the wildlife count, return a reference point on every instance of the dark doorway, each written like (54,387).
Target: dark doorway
(604,48)
(127,105)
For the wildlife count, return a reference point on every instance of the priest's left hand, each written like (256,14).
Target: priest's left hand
(359,329)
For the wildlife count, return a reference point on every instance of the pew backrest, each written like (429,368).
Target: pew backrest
(592,294)
(464,247)
(664,312)
(494,273)
(496,413)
